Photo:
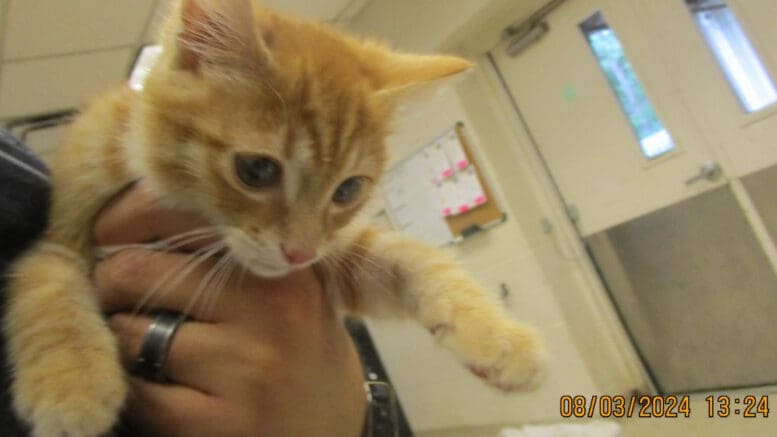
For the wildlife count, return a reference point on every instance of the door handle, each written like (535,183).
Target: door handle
(709,171)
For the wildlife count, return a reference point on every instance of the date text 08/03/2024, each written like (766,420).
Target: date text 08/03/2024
(659,406)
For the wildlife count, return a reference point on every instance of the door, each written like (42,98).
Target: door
(680,234)
(745,139)
(585,136)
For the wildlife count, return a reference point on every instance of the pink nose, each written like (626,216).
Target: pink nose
(298,256)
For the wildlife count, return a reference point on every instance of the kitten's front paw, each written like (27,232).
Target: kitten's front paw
(69,394)
(521,363)
(506,354)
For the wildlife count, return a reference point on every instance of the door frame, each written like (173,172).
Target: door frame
(612,357)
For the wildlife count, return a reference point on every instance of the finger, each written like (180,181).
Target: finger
(207,289)
(169,410)
(137,217)
(137,279)
(190,360)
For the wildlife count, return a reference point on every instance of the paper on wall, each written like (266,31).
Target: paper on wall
(472,192)
(437,162)
(448,193)
(413,203)
(454,151)
(461,193)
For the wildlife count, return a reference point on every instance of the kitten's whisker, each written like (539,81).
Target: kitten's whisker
(195,296)
(179,240)
(203,285)
(376,276)
(194,231)
(187,234)
(210,304)
(163,286)
(185,268)
(186,242)
(217,284)
(371,264)
(341,266)
(359,258)
(243,270)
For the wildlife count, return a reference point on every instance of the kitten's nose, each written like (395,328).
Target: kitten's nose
(298,255)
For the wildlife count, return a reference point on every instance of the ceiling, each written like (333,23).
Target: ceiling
(54,53)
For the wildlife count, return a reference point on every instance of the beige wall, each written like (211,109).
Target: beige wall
(435,390)
(549,279)
(469,26)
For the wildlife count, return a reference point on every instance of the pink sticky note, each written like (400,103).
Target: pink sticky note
(480,200)
(447,211)
(464,208)
(463,164)
(448,172)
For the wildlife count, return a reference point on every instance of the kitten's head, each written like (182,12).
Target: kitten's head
(271,125)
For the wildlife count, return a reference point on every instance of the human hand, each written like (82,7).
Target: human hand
(266,357)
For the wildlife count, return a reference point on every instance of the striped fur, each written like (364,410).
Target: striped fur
(235,77)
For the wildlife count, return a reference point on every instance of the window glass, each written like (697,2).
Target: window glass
(734,52)
(653,137)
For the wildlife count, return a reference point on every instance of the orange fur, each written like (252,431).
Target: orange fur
(236,78)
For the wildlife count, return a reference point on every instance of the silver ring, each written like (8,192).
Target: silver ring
(156,344)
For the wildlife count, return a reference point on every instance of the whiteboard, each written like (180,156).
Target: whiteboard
(435,182)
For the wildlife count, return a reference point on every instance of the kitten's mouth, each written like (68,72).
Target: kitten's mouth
(267,269)
(260,260)
(271,270)
(262,268)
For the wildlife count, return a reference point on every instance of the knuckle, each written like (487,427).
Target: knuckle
(128,331)
(100,275)
(120,269)
(122,324)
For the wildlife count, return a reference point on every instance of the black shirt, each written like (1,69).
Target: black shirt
(24,194)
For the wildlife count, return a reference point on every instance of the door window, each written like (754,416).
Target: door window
(653,137)
(734,52)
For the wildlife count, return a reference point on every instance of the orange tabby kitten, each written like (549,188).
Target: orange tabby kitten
(273,128)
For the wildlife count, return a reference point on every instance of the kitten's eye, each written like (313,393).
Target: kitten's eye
(257,171)
(348,190)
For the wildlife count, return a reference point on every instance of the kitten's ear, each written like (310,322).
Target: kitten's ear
(218,33)
(414,77)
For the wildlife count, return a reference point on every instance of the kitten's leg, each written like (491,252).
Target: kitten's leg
(68,380)
(377,270)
